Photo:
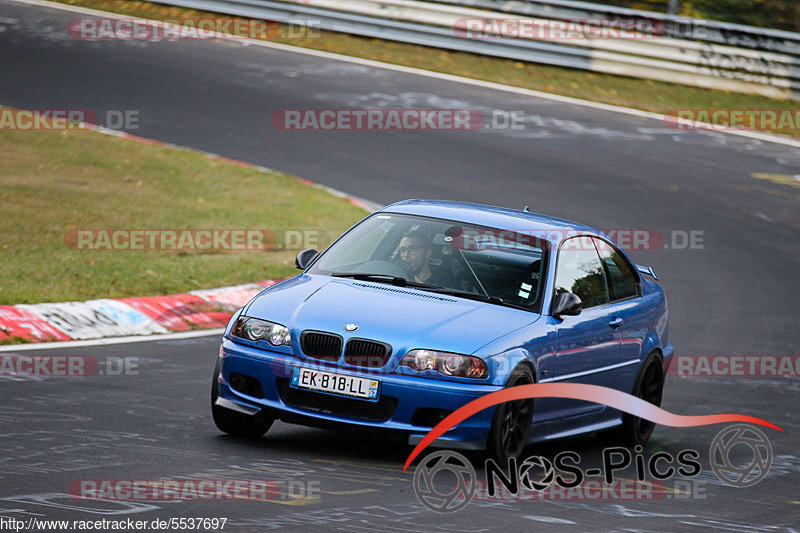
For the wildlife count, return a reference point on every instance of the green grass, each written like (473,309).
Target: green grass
(55,182)
(648,95)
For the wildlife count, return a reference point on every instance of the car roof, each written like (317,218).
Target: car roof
(489,215)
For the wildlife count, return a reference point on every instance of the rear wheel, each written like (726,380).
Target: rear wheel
(235,423)
(649,387)
(511,424)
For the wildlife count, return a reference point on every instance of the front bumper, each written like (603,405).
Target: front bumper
(400,397)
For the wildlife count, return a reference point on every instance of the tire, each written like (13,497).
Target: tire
(511,424)
(649,387)
(234,423)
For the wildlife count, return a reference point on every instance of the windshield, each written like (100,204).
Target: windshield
(500,266)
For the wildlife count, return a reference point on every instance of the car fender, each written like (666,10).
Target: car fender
(651,343)
(501,365)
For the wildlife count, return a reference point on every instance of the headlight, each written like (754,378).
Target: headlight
(254,329)
(449,364)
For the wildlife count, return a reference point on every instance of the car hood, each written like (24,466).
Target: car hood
(403,317)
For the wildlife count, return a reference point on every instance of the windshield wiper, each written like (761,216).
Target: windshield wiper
(384,278)
(475,296)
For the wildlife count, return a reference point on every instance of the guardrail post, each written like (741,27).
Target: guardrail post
(673,7)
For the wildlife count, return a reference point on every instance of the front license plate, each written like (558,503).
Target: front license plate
(342,384)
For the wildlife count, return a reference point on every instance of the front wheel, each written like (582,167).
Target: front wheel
(511,424)
(232,422)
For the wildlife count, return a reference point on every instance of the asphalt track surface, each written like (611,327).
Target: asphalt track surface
(736,295)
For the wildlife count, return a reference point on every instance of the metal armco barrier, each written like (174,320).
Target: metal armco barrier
(686,51)
(709,31)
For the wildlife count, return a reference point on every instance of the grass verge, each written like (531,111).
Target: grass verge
(648,95)
(54,183)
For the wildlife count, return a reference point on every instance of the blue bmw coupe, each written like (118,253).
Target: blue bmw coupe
(426,305)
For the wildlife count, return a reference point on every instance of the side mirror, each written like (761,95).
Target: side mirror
(566,303)
(305,258)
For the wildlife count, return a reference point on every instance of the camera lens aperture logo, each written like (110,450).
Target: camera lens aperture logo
(458,494)
(536,464)
(722,455)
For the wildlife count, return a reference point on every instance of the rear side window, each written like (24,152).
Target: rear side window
(623,281)
(580,272)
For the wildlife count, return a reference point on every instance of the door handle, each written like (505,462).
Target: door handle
(616,322)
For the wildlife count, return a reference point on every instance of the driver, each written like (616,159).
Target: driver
(415,249)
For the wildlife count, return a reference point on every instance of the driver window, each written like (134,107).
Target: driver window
(581,272)
(624,283)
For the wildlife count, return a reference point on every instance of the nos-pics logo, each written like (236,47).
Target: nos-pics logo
(456,479)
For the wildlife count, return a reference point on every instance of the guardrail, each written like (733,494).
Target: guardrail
(769,66)
(676,26)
